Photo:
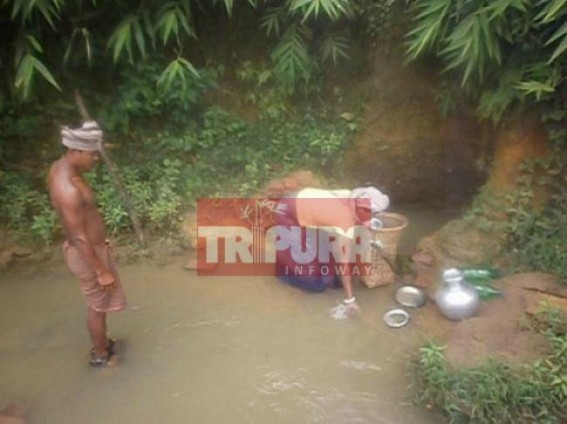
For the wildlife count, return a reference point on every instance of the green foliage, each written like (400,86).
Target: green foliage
(334,46)
(132,31)
(506,52)
(291,57)
(28,65)
(494,392)
(548,318)
(333,9)
(146,98)
(45,225)
(177,70)
(24,210)
(534,237)
(166,171)
(264,92)
(155,191)
(121,39)
(537,238)
(309,33)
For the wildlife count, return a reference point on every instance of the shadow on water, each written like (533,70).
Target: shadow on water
(209,350)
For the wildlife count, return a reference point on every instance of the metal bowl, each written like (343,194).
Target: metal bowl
(410,296)
(396,318)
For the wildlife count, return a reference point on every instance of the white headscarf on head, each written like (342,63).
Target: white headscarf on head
(86,138)
(378,201)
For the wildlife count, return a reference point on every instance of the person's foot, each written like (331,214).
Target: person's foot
(97,361)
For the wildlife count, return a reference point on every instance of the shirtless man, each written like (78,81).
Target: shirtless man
(86,250)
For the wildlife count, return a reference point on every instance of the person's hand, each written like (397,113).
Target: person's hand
(351,308)
(106,279)
(348,308)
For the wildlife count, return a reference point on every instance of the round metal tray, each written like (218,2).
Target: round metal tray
(410,296)
(396,318)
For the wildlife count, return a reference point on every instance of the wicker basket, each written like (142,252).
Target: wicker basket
(388,236)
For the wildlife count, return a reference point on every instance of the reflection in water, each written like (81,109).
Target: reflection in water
(208,350)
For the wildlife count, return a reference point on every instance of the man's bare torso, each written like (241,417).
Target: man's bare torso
(74,202)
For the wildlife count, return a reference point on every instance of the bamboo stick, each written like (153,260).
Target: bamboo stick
(126,199)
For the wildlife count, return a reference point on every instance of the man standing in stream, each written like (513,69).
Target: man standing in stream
(86,250)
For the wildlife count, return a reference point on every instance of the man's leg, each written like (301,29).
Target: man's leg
(96,324)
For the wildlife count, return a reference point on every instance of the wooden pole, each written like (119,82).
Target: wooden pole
(126,200)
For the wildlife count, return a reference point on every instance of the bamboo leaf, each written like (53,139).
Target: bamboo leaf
(430,20)
(561,32)
(333,47)
(25,72)
(334,9)
(149,28)
(170,25)
(121,38)
(559,50)
(16,7)
(291,56)
(177,70)
(42,69)
(188,66)
(24,75)
(228,4)
(165,77)
(86,36)
(35,44)
(173,16)
(185,24)
(536,88)
(552,11)
(273,19)
(139,36)
(48,11)
(500,7)
(69,46)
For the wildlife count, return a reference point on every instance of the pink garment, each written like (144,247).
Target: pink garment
(96,297)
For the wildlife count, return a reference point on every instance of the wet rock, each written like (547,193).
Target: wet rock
(423,258)
(459,243)
(425,269)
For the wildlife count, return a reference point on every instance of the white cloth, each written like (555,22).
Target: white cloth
(378,201)
(86,138)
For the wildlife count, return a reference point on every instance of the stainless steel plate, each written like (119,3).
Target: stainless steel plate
(410,296)
(396,318)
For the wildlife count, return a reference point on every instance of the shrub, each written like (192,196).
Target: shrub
(495,392)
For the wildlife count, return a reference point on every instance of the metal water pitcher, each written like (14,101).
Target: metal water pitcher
(455,298)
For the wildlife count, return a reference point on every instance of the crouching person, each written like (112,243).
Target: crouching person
(315,208)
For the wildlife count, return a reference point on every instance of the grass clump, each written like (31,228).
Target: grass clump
(495,392)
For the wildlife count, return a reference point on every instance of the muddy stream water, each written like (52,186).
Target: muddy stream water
(207,350)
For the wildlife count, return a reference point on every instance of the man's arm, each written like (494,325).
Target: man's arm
(71,210)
